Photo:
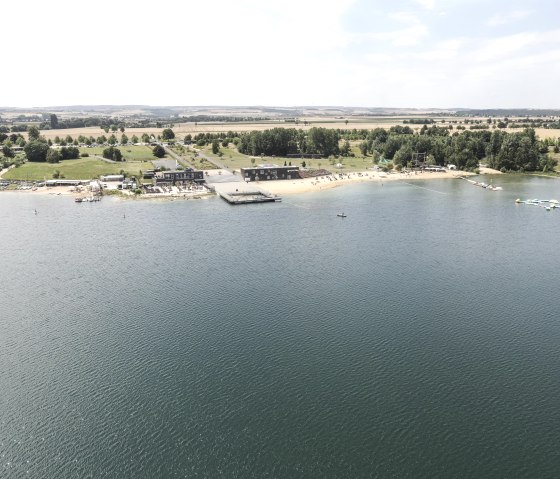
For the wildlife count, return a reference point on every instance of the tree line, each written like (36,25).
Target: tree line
(290,141)
(519,151)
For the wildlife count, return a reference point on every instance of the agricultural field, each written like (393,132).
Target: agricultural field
(80,169)
(182,129)
(305,123)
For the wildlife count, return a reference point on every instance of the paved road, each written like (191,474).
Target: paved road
(106,160)
(214,176)
(166,163)
(5,170)
(236,186)
(176,157)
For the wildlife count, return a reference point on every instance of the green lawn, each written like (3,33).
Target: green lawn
(235,160)
(80,169)
(130,152)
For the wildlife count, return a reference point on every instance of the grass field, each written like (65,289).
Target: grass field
(231,157)
(130,152)
(80,169)
(235,160)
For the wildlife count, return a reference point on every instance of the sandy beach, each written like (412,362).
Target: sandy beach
(51,190)
(287,187)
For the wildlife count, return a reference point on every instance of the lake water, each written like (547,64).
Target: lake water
(418,337)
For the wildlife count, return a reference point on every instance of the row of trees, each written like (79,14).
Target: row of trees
(114,154)
(286,141)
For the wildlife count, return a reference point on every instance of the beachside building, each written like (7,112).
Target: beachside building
(179,177)
(112,178)
(59,182)
(270,172)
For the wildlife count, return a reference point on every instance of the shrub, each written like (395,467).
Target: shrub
(53,156)
(158,151)
(112,153)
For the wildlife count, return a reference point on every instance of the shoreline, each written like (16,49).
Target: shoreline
(274,187)
(308,185)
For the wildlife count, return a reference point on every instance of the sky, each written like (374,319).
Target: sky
(369,53)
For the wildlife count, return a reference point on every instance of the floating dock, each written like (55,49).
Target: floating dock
(246,197)
(546,204)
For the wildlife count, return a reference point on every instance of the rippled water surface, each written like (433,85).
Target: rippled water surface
(418,337)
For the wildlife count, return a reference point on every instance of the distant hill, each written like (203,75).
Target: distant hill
(259,112)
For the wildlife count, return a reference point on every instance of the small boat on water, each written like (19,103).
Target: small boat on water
(341,215)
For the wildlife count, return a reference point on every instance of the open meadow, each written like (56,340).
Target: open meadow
(79,169)
(234,160)
(129,152)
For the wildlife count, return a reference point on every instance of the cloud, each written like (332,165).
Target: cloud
(410,35)
(506,46)
(427,4)
(287,53)
(446,50)
(502,19)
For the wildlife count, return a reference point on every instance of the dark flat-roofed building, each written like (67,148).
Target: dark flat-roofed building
(270,172)
(180,177)
(59,182)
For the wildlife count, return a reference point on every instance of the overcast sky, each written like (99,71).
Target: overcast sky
(399,53)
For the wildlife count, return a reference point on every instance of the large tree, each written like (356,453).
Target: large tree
(168,134)
(36,150)
(7,151)
(112,153)
(215,146)
(33,132)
